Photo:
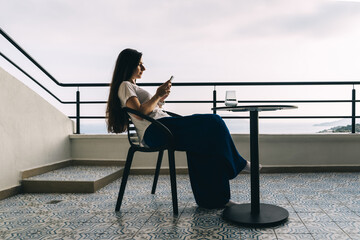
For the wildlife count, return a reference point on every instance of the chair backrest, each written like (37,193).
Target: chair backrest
(132,134)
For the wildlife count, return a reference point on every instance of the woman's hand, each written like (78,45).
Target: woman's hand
(163,90)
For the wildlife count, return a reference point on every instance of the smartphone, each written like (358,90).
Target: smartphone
(171,78)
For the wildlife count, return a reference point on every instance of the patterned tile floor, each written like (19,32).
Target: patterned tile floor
(321,206)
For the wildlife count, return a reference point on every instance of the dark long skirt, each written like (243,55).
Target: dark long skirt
(211,154)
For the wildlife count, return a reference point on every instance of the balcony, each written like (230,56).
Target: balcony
(314,176)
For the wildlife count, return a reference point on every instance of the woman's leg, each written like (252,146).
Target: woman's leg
(212,156)
(209,180)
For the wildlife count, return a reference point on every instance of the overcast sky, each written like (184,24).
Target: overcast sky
(197,40)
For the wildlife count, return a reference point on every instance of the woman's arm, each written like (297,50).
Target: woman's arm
(147,107)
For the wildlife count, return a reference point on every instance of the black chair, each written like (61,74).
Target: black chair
(135,146)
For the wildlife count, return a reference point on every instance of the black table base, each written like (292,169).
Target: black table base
(255,214)
(268,216)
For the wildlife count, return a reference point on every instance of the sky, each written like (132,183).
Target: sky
(196,41)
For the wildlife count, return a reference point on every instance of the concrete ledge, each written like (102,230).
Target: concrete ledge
(10,192)
(275,149)
(44,169)
(37,186)
(108,179)
(69,186)
(54,166)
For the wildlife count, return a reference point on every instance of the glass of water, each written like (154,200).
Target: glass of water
(230,99)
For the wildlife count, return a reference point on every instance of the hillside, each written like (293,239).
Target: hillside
(341,129)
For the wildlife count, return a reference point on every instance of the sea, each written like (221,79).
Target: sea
(242,126)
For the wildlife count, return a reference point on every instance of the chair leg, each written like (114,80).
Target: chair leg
(173,181)
(157,171)
(124,178)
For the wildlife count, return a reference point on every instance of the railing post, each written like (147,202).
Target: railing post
(214,100)
(353,118)
(78,111)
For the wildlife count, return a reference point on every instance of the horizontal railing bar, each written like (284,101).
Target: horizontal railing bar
(28,75)
(298,101)
(71,102)
(269,101)
(196,101)
(93,102)
(174,101)
(291,117)
(89,117)
(255,101)
(188,84)
(214,84)
(235,117)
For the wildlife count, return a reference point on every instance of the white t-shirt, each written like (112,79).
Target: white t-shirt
(128,89)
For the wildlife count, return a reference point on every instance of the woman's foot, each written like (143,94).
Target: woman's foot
(247,168)
(230,203)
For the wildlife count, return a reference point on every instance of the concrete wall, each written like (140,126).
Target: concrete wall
(33,133)
(114,147)
(275,150)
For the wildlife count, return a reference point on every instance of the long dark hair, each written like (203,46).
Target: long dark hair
(126,63)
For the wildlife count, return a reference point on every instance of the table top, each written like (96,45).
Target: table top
(258,108)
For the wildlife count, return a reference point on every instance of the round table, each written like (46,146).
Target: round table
(255,214)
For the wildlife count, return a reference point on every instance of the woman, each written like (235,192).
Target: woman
(211,154)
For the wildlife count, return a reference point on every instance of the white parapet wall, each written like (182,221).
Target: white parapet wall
(33,132)
(300,150)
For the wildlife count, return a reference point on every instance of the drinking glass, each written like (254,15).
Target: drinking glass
(230,99)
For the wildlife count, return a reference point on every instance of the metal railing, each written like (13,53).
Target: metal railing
(214,100)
